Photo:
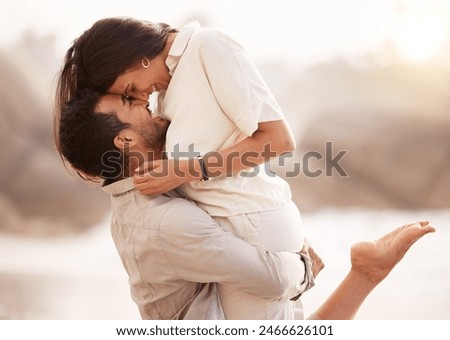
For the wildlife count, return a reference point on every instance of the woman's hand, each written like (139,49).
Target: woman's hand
(374,260)
(163,175)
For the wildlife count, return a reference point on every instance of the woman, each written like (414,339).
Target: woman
(224,122)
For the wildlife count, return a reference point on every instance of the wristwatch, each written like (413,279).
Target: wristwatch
(205,176)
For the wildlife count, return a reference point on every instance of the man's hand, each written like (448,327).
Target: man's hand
(313,265)
(317,263)
(374,260)
(163,175)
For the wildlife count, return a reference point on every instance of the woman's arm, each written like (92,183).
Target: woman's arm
(270,140)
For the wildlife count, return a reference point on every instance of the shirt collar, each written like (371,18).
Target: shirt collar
(126,185)
(179,45)
(120,187)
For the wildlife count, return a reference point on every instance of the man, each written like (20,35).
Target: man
(173,251)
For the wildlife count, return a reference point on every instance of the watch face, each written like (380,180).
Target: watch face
(205,176)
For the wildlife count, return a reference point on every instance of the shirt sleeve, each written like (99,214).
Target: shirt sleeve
(201,251)
(237,84)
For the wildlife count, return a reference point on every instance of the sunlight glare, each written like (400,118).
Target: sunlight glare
(418,39)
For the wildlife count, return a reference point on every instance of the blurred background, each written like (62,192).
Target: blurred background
(372,77)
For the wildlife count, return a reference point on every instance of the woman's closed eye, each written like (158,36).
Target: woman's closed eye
(132,91)
(127,100)
(129,90)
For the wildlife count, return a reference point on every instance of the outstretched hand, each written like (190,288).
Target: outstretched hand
(374,260)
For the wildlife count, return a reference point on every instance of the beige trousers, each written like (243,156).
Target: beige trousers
(274,230)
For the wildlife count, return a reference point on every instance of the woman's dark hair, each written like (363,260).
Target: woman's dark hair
(105,51)
(86,138)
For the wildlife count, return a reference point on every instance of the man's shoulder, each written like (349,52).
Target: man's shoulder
(180,214)
(178,203)
(135,210)
(167,208)
(181,209)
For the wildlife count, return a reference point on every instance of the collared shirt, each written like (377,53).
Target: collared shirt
(215,99)
(173,252)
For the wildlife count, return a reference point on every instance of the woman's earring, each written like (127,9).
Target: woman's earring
(145,63)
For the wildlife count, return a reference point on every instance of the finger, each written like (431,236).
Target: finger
(412,235)
(140,179)
(144,187)
(145,168)
(140,187)
(306,244)
(420,229)
(148,192)
(405,228)
(427,229)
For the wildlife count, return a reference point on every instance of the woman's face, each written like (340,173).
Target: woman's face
(139,82)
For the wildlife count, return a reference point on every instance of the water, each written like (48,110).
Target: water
(81,277)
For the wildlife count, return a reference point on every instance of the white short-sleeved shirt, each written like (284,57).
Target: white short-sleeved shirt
(215,99)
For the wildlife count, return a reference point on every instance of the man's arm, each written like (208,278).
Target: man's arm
(371,263)
(201,251)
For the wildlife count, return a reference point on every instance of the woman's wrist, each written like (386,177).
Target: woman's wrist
(191,170)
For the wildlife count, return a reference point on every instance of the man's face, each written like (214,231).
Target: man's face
(148,130)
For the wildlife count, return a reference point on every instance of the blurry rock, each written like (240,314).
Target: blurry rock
(393,119)
(393,161)
(11,218)
(33,181)
(342,86)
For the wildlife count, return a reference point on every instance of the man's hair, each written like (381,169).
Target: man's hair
(105,51)
(85,138)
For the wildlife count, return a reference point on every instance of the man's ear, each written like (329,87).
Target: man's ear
(124,140)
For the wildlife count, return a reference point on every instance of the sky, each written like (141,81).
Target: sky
(305,31)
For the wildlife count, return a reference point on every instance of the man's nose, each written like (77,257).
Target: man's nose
(141,95)
(140,102)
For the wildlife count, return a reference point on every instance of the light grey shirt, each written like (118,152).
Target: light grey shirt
(174,252)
